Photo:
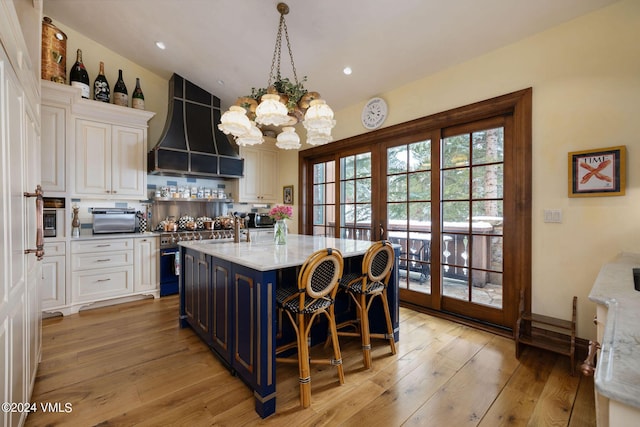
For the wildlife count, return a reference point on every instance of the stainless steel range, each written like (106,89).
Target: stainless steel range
(170,254)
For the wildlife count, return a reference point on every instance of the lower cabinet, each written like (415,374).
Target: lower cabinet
(101,269)
(223,302)
(53,287)
(105,269)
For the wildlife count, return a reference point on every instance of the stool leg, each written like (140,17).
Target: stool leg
(364,332)
(336,345)
(387,314)
(303,363)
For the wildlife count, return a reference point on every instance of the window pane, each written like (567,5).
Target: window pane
(397,215)
(397,159)
(348,193)
(420,216)
(487,289)
(487,253)
(488,182)
(488,146)
(455,151)
(420,156)
(397,188)
(363,190)
(347,166)
(455,184)
(420,186)
(489,212)
(348,214)
(455,216)
(318,194)
(363,165)
(318,173)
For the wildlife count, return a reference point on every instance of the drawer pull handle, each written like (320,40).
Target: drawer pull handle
(103,260)
(102,246)
(103,280)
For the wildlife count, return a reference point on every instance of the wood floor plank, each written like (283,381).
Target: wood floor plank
(131,364)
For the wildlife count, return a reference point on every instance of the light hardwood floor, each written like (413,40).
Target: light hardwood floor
(131,364)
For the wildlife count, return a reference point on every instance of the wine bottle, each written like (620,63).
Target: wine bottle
(101,91)
(79,76)
(137,98)
(120,94)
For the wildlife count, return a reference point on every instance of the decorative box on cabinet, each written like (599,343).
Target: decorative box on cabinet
(260,181)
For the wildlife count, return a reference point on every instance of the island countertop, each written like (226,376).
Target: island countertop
(265,255)
(618,372)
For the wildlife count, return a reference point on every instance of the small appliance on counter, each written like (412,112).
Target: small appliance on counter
(260,220)
(114,220)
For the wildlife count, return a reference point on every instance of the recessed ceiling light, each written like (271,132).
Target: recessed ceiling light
(347,70)
(161,45)
(221,82)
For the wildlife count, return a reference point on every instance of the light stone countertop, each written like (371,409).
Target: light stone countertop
(106,236)
(264,255)
(618,371)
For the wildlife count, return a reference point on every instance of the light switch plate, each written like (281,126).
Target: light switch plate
(553,215)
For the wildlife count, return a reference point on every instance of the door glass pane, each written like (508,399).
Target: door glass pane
(409,212)
(472,220)
(355,198)
(323,199)
(488,146)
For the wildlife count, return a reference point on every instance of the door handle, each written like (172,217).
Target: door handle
(381,231)
(39,250)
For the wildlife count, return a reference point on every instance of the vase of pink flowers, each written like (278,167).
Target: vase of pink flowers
(280,213)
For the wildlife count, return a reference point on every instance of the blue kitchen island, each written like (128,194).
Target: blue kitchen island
(227,296)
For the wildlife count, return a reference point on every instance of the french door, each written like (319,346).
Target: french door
(454,194)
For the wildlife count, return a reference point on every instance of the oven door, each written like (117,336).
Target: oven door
(169,271)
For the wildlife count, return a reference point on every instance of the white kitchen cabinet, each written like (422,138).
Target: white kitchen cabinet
(101,269)
(53,287)
(54,138)
(145,258)
(110,160)
(260,181)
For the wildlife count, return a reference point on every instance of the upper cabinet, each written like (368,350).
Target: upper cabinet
(92,148)
(260,181)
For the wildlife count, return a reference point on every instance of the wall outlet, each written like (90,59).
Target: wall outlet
(553,215)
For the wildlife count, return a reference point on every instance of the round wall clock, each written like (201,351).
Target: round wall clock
(374,113)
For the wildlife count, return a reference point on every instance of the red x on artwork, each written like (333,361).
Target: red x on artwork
(595,172)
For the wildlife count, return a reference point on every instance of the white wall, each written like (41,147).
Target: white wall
(585,76)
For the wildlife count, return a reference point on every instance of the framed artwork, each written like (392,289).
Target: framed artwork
(287,194)
(597,172)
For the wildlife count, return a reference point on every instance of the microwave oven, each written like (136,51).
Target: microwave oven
(49,222)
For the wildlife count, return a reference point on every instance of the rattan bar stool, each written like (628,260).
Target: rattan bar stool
(363,288)
(315,294)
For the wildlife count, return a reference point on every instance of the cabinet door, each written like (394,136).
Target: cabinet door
(260,181)
(93,158)
(250,182)
(268,178)
(53,282)
(145,268)
(128,164)
(53,148)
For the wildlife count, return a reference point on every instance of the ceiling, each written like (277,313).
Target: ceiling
(387,44)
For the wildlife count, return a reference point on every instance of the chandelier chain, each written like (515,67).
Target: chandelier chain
(278,51)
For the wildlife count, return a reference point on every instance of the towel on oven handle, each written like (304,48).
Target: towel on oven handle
(176,264)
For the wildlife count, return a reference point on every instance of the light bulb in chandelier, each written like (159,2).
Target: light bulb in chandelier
(271,111)
(319,116)
(235,122)
(319,136)
(253,137)
(288,139)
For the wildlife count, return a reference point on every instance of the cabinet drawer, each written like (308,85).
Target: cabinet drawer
(54,248)
(98,284)
(95,260)
(101,245)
